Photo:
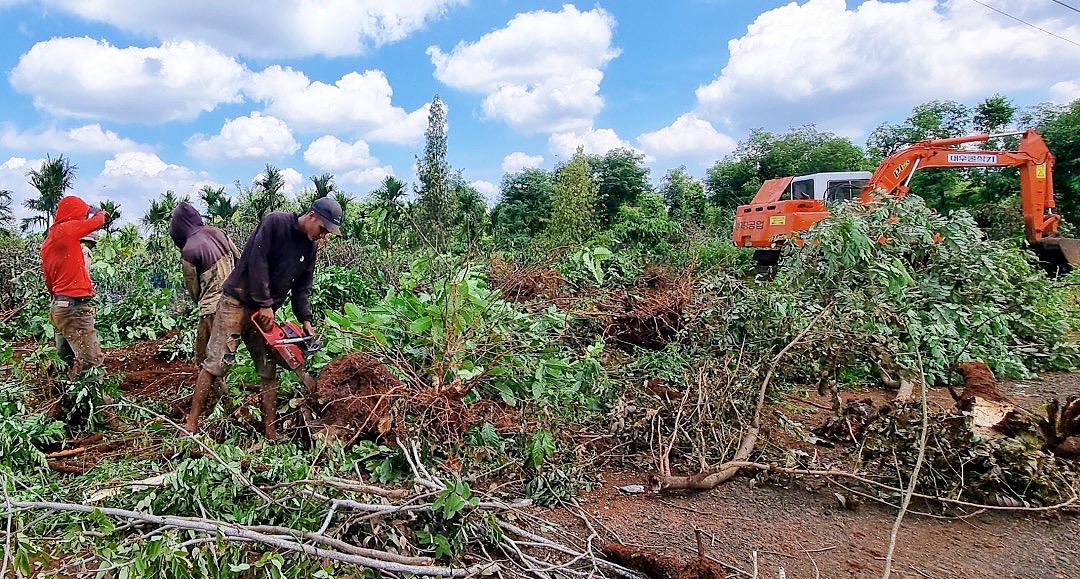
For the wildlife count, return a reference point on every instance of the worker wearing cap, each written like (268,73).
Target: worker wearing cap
(278,260)
(67,278)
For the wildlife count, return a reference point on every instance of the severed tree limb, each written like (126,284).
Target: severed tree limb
(711,479)
(234,532)
(347,485)
(1075,500)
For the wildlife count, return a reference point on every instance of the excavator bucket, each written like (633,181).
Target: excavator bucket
(1057,255)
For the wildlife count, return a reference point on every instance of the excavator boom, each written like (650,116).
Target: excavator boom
(1032,158)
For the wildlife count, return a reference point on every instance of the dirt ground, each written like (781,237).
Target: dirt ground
(799,525)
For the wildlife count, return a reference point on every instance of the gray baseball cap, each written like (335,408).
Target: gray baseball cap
(329,211)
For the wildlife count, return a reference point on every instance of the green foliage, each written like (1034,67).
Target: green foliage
(685,196)
(645,227)
(541,445)
(734,180)
(22,433)
(621,177)
(573,202)
(456,330)
(523,208)
(436,202)
(903,276)
(52,182)
(7,218)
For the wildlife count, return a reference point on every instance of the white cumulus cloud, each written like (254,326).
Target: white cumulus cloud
(539,73)
(489,190)
(517,161)
(688,138)
(351,163)
(1065,92)
(87,138)
(82,77)
(821,62)
(293,179)
(134,179)
(591,141)
(252,137)
(358,103)
(268,28)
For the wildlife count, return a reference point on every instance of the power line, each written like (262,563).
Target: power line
(1025,22)
(1065,5)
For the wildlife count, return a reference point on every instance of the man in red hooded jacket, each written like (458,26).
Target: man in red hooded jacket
(68,281)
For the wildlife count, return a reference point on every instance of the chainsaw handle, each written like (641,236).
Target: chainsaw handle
(255,320)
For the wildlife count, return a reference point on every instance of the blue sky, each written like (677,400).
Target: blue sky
(154,95)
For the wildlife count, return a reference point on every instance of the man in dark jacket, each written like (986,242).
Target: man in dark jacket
(278,260)
(72,308)
(207,258)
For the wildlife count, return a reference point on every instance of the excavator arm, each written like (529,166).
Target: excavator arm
(1032,157)
(1036,166)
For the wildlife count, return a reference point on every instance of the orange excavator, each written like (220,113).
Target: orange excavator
(787,206)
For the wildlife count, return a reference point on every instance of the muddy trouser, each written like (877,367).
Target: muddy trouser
(76,337)
(205,289)
(232,323)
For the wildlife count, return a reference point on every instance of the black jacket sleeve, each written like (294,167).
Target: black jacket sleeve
(258,272)
(301,294)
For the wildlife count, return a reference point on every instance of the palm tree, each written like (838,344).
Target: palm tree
(344,200)
(324,185)
(219,207)
(268,196)
(388,209)
(7,218)
(113,209)
(52,181)
(157,217)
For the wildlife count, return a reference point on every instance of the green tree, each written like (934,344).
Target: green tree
(7,218)
(994,114)
(684,195)
(387,214)
(472,213)
(157,217)
(803,151)
(523,207)
(622,176)
(113,209)
(324,185)
(220,208)
(52,182)
(267,195)
(932,120)
(574,200)
(435,195)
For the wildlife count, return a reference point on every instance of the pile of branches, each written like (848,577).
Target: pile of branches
(966,463)
(432,528)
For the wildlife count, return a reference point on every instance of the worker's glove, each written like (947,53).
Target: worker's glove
(92,211)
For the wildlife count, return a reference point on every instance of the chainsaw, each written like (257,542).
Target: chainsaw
(289,347)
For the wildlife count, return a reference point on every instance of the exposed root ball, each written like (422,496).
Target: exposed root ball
(353,397)
(522,284)
(652,316)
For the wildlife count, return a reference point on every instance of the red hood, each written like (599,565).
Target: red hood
(71,208)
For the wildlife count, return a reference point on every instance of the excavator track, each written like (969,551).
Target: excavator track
(1057,255)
